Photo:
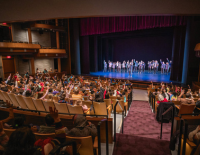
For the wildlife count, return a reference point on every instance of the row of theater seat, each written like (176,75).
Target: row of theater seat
(28,103)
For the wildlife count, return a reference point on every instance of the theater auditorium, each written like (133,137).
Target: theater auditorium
(100,77)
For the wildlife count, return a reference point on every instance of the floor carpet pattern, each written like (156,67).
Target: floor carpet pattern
(141,133)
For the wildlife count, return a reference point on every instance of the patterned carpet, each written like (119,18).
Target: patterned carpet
(141,133)
(134,145)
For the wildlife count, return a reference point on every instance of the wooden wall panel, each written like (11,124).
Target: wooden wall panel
(8,67)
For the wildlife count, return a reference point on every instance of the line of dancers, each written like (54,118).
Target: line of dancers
(137,66)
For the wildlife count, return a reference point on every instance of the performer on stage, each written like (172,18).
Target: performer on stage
(123,66)
(127,65)
(105,66)
(149,66)
(143,66)
(110,65)
(167,67)
(129,68)
(113,66)
(136,66)
(140,67)
(155,66)
(162,66)
(120,66)
(170,64)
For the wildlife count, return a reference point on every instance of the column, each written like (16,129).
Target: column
(29,35)
(59,65)
(186,51)
(32,66)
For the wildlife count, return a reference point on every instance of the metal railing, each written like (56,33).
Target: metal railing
(99,136)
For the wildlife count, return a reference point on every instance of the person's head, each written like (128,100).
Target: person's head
(62,96)
(50,90)
(19,121)
(40,94)
(174,94)
(28,93)
(188,95)
(49,120)
(79,102)
(76,91)
(85,93)
(21,142)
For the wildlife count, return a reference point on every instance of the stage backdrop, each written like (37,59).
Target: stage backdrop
(146,45)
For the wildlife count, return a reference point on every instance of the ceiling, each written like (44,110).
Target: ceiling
(30,10)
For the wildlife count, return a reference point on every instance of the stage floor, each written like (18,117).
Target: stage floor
(145,76)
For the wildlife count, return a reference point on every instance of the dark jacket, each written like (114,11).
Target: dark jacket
(163,106)
(82,129)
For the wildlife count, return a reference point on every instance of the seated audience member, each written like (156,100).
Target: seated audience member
(174,96)
(107,95)
(195,135)
(161,99)
(82,127)
(49,127)
(76,95)
(186,100)
(62,99)
(79,102)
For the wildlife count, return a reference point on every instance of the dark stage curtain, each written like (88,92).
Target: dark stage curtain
(177,53)
(102,25)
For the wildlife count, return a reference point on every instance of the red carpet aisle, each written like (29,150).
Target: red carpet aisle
(141,133)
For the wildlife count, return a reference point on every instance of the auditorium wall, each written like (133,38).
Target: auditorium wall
(20,34)
(22,65)
(41,64)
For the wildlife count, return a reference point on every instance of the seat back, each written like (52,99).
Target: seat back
(55,98)
(44,135)
(75,109)
(176,102)
(9,131)
(86,145)
(186,108)
(13,99)
(39,104)
(48,104)
(85,98)
(2,96)
(21,101)
(87,103)
(6,96)
(61,107)
(108,102)
(118,108)
(113,97)
(100,108)
(29,103)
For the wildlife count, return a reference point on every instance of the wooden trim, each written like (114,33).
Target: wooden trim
(15,65)
(45,26)
(59,65)
(2,66)
(9,51)
(57,40)
(29,35)
(19,45)
(32,66)
(52,51)
(69,58)
(11,33)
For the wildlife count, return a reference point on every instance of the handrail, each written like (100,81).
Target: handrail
(57,148)
(36,111)
(185,133)
(99,136)
(170,108)
(115,119)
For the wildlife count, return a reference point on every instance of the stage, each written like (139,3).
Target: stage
(145,76)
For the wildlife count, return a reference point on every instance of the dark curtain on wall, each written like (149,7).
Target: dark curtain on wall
(177,53)
(102,25)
